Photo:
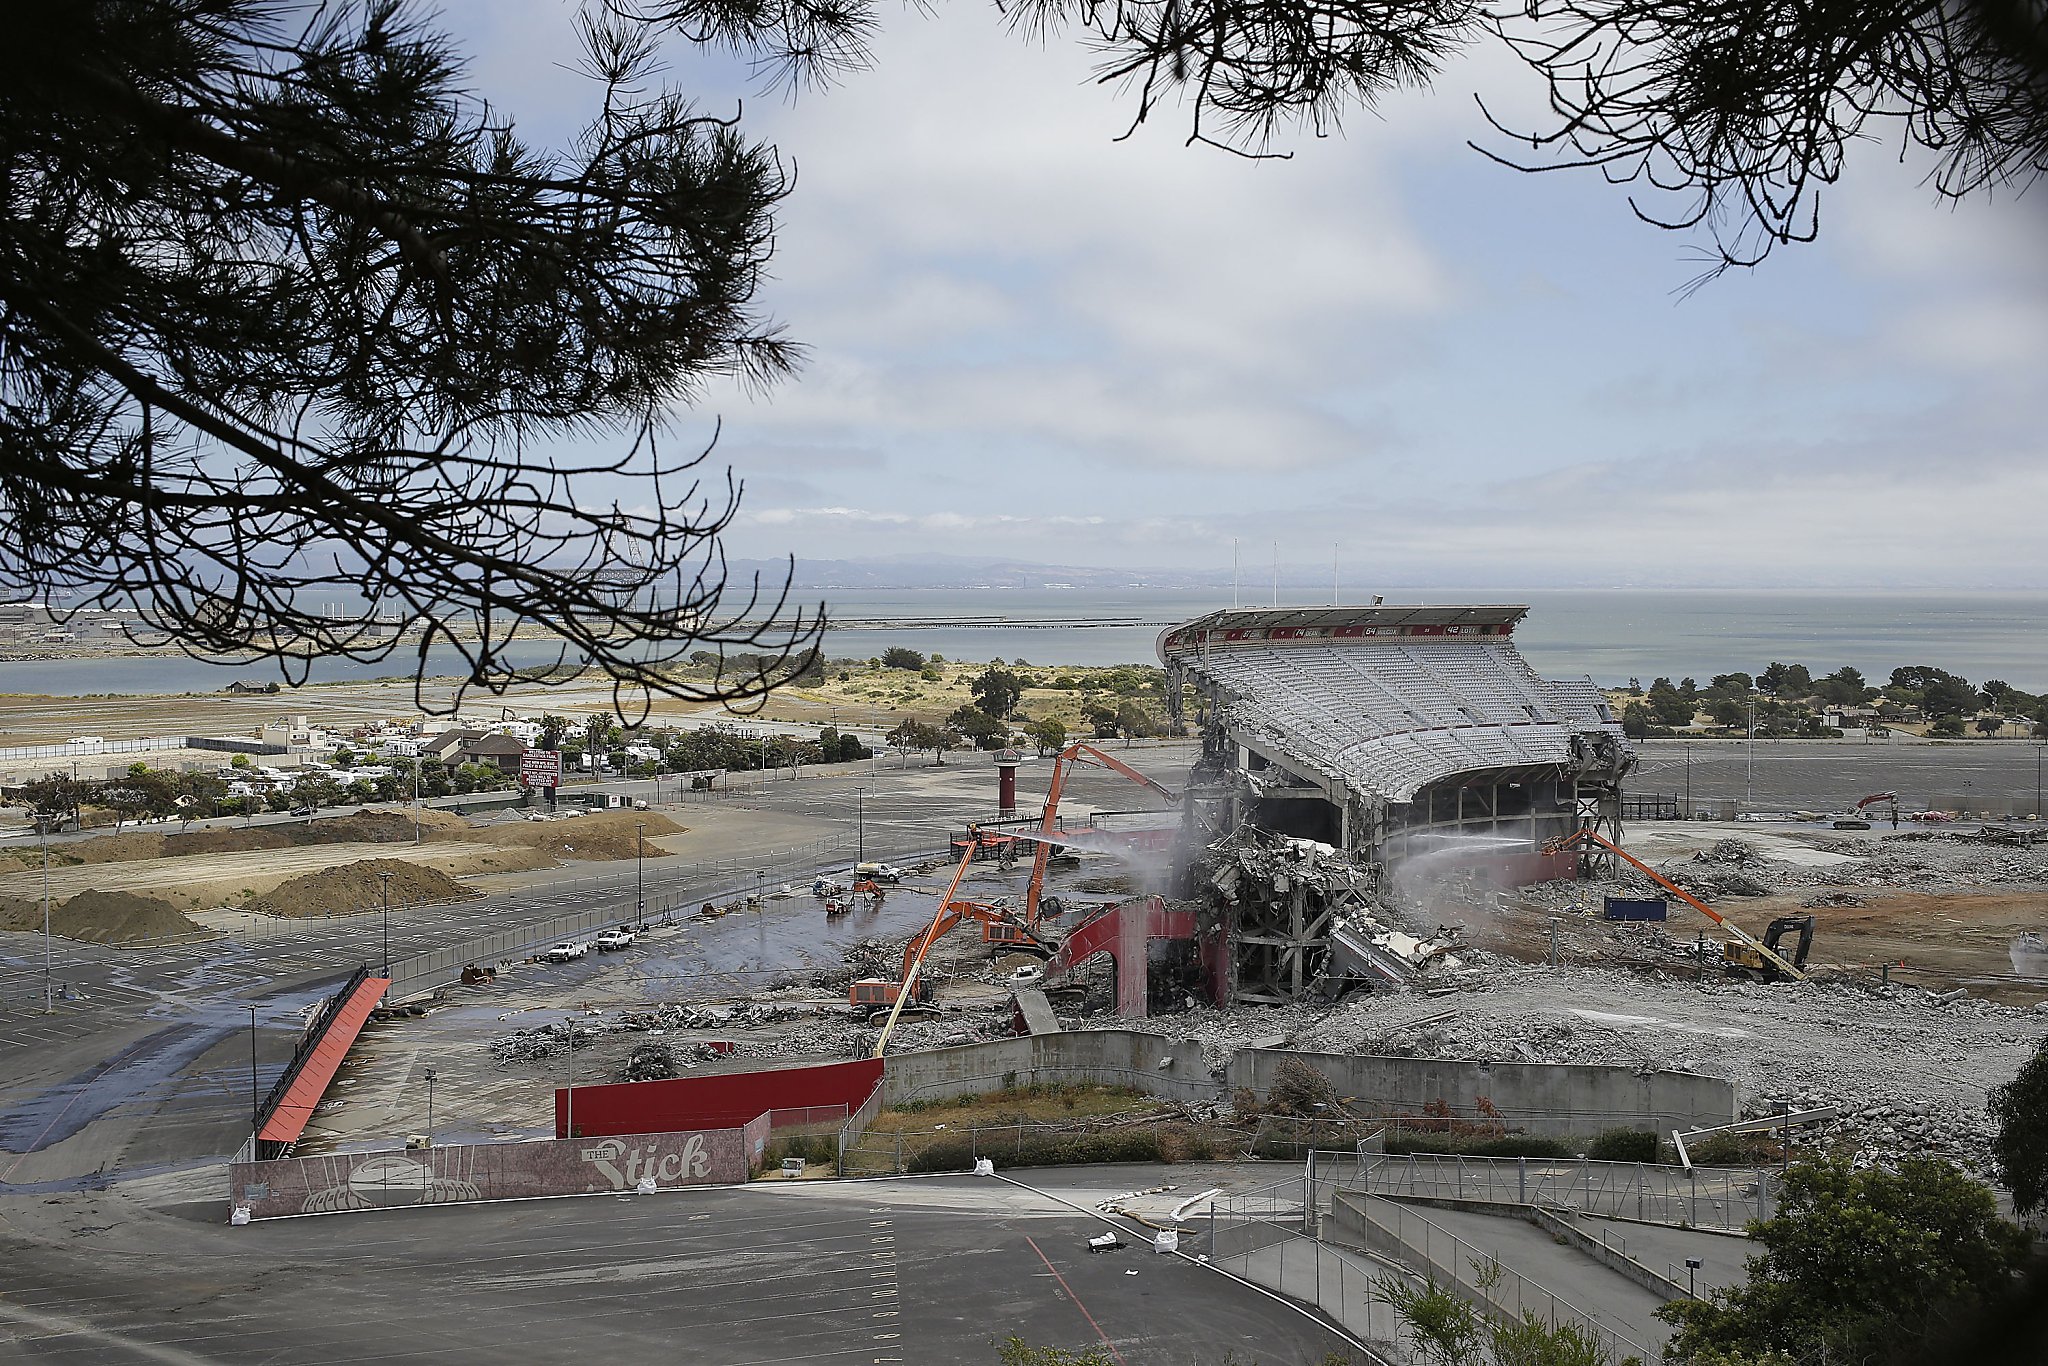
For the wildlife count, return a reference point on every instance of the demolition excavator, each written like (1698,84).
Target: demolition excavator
(1078,752)
(911,994)
(1747,951)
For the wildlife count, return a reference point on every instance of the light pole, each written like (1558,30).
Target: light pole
(430,1107)
(760,890)
(639,877)
(1749,774)
(415,799)
(385,878)
(860,835)
(1688,780)
(49,990)
(255,1096)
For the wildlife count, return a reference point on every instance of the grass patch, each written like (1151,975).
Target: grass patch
(1041,1104)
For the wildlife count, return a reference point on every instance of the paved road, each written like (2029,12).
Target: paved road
(1585,1282)
(899,1271)
(1723,1257)
(1830,775)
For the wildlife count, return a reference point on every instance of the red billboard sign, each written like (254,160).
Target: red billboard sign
(541,768)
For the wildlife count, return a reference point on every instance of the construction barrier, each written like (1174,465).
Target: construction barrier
(716,1100)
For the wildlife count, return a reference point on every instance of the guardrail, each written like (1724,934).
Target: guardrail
(1704,1197)
(1400,1233)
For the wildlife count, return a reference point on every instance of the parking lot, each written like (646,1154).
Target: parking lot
(923,1270)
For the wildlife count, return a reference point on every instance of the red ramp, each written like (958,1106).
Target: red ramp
(295,1107)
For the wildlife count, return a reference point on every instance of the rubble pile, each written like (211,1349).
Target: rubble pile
(649,1062)
(541,1042)
(1922,1092)
(1937,862)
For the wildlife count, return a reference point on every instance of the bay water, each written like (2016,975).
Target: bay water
(1610,634)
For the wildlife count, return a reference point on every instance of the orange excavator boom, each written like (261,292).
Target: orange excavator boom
(1043,853)
(1687,897)
(913,955)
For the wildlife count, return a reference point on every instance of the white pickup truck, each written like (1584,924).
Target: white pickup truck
(567,951)
(612,940)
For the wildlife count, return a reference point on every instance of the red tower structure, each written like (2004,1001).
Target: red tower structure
(1006,778)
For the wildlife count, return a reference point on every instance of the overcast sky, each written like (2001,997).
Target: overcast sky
(1029,340)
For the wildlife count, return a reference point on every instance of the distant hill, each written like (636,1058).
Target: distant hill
(957,572)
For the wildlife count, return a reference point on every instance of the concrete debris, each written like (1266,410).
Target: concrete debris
(541,1042)
(1808,1044)
(649,1062)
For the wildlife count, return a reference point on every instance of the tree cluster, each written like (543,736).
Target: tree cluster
(1858,1265)
(285,314)
(1785,700)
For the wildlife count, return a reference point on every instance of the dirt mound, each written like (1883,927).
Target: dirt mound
(596,837)
(101,918)
(357,887)
(358,827)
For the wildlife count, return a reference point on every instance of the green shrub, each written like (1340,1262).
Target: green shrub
(1047,1150)
(1624,1145)
(1506,1145)
(1735,1150)
(819,1148)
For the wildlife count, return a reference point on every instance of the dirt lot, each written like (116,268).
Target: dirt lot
(452,846)
(360,884)
(1940,941)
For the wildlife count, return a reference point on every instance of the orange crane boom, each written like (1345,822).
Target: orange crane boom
(1687,897)
(923,944)
(1079,751)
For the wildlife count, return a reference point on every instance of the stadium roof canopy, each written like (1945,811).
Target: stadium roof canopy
(1385,701)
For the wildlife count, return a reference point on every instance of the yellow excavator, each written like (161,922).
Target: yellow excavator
(1746,952)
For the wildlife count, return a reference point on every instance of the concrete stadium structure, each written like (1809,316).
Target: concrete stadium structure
(1389,733)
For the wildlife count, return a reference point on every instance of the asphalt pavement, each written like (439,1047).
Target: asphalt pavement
(935,1270)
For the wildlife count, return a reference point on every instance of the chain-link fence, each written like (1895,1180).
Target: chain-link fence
(1702,1197)
(1402,1234)
(866,1151)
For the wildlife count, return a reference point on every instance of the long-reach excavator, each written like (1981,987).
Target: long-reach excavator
(1763,952)
(909,992)
(1078,752)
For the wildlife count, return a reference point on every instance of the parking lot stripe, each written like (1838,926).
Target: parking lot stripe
(1075,1298)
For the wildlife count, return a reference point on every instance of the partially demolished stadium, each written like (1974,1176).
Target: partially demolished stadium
(1343,747)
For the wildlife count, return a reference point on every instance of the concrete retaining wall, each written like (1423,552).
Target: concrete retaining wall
(1556,1099)
(1109,1057)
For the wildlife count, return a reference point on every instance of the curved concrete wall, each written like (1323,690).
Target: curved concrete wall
(1108,1057)
(1543,1098)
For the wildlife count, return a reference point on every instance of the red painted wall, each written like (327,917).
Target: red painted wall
(720,1101)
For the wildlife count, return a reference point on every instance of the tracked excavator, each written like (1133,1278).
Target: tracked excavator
(1857,820)
(1746,951)
(911,995)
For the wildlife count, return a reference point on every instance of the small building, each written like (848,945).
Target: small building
(501,752)
(448,744)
